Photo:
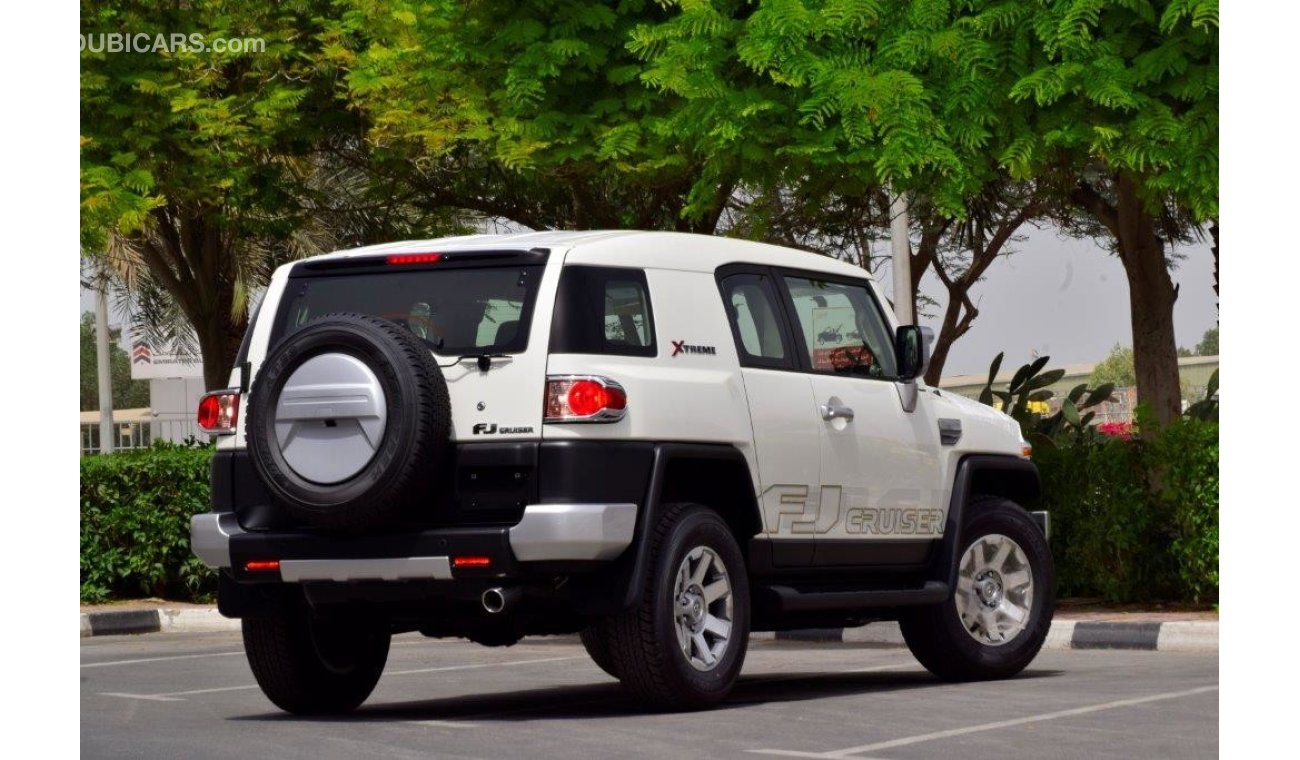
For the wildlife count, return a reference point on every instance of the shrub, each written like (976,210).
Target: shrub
(1136,519)
(135,520)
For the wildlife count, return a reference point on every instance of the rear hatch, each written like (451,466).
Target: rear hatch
(477,311)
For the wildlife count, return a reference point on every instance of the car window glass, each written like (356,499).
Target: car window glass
(754,317)
(627,317)
(843,328)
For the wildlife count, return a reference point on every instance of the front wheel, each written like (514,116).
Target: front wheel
(682,646)
(313,666)
(1000,612)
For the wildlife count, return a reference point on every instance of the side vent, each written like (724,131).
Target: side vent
(949,431)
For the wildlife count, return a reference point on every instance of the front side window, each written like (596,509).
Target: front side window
(843,329)
(454,311)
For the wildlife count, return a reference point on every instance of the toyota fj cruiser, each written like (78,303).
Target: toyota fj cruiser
(659,441)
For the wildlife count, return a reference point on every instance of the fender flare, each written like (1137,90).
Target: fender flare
(617,589)
(999,474)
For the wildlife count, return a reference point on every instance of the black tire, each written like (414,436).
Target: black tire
(405,464)
(643,647)
(311,666)
(936,634)
(593,640)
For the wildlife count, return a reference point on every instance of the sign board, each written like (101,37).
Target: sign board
(153,362)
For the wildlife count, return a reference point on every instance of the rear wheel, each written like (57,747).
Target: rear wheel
(683,644)
(314,666)
(1001,610)
(593,640)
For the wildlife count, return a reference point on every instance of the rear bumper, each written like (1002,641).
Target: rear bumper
(547,533)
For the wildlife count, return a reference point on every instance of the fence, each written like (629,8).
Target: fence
(138,429)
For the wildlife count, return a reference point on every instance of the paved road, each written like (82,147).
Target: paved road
(190,695)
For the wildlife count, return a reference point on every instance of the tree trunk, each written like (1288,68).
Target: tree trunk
(1152,294)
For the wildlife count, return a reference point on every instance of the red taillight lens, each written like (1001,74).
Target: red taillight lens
(584,399)
(262,566)
(415,258)
(219,412)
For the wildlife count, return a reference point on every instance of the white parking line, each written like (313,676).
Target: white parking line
(476,666)
(157,659)
(908,740)
(443,724)
(177,696)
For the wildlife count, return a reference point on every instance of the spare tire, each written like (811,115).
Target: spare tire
(348,423)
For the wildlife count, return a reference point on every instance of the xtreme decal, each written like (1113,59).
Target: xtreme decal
(682,347)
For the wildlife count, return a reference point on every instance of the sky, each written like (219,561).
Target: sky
(1062,297)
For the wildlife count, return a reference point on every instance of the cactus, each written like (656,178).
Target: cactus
(1030,384)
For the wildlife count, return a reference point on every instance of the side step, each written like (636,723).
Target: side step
(789,599)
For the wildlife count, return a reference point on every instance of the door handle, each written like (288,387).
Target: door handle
(836,412)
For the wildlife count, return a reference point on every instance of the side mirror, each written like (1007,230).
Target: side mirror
(911,351)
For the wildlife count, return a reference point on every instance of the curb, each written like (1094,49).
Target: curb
(1176,636)
(161,620)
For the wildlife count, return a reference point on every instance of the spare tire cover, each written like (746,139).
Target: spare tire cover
(348,422)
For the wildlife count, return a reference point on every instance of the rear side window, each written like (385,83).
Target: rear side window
(603,310)
(454,311)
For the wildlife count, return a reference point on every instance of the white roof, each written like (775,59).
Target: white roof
(664,250)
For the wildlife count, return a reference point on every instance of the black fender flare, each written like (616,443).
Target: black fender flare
(999,474)
(617,588)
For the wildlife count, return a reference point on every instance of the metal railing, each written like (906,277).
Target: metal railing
(140,434)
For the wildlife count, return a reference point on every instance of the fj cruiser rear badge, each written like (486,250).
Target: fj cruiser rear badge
(490,428)
(682,347)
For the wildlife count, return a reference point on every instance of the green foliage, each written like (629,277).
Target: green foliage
(1207,409)
(1029,387)
(1116,368)
(127,393)
(1209,345)
(1125,87)
(135,524)
(1136,520)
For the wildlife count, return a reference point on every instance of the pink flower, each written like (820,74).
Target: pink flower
(1122,430)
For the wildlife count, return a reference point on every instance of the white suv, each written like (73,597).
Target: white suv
(660,441)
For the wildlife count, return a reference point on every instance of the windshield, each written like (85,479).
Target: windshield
(454,311)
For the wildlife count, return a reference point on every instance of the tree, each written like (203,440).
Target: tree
(127,393)
(530,111)
(1209,345)
(1116,369)
(1123,99)
(204,168)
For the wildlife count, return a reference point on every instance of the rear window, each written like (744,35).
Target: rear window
(603,310)
(454,311)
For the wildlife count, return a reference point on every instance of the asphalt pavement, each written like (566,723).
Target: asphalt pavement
(192,695)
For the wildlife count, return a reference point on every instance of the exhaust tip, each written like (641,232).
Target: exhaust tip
(494,601)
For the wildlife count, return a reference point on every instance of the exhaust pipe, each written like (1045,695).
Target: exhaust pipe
(497,600)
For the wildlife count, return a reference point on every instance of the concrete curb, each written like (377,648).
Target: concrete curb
(1177,636)
(163,619)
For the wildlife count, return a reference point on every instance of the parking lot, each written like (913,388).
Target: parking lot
(192,695)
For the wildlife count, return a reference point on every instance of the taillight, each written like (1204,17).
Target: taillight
(415,258)
(584,398)
(219,412)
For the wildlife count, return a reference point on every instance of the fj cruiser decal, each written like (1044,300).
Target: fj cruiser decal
(792,509)
(911,521)
(490,428)
(682,347)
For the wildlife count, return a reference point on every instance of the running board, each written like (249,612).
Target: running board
(792,600)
